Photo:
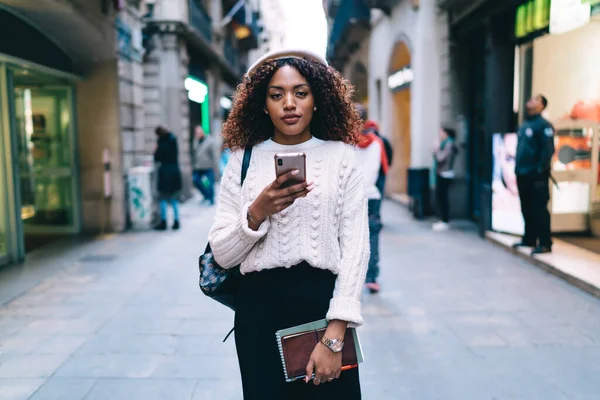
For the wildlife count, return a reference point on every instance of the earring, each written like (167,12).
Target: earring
(315,108)
(266,112)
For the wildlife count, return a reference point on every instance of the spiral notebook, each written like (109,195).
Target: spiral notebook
(297,343)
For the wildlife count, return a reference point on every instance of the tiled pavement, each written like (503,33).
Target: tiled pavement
(458,318)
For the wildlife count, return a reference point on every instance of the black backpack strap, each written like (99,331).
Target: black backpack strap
(246,162)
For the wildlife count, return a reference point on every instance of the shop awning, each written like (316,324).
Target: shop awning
(77,27)
(459,10)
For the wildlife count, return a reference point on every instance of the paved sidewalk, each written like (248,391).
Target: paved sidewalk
(572,263)
(458,318)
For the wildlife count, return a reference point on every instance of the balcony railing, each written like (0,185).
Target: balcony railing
(350,26)
(231,54)
(200,20)
(246,28)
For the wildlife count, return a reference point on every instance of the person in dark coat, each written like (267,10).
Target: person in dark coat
(535,149)
(444,153)
(169,176)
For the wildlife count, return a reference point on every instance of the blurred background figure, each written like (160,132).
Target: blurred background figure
(169,176)
(206,163)
(371,126)
(373,158)
(444,153)
(535,149)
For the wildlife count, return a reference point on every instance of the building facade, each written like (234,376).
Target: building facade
(60,112)
(396,53)
(503,54)
(196,54)
(78,106)
(273,35)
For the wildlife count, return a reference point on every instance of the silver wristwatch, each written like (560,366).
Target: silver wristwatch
(334,345)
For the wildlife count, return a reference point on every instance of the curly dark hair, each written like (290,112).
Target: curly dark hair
(336,119)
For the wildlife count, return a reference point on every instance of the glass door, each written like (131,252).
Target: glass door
(44,145)
(9,250)
(4,157)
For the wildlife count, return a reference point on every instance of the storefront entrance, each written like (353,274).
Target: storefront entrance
(559,61)
(5,162)
(399,82)
(39,190)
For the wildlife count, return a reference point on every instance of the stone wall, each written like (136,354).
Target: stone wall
(99,128)
(131,95)
(165,98)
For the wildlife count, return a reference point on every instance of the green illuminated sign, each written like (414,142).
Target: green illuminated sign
(533,16)
(198,93)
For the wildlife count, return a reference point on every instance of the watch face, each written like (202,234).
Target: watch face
(337,345)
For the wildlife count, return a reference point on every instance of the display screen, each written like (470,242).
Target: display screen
(506,206)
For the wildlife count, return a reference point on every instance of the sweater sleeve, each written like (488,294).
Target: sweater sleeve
(353,237)
(230,237)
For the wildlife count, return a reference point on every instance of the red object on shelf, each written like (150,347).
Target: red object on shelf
(586,110)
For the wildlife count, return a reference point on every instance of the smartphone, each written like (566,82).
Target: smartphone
(286,162)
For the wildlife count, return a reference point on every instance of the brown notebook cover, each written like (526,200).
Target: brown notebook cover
(296,347)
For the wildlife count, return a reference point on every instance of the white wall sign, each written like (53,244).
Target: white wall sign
(566,15)
(401,78)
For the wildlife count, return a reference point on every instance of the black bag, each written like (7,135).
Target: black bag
(218,283)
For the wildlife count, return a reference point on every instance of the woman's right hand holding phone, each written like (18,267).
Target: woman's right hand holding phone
(276,198)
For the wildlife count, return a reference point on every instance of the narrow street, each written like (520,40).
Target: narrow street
(122,318)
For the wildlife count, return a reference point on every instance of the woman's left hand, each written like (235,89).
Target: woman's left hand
(326,365)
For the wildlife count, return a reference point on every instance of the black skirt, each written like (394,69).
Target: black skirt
(275,299)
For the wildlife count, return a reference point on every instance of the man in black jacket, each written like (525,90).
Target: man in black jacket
(534,153)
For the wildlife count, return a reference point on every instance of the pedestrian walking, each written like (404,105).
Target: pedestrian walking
(373,159)
(169,176)
(389,152)
(206,163)
(444,153)
(535,148)
(371,126)
(303,248)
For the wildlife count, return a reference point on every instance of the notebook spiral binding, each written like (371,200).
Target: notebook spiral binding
(280,346)
(285,371)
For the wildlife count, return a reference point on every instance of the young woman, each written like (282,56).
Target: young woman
(303,249)
(444,152)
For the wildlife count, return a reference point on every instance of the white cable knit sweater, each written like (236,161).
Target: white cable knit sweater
(328,229)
